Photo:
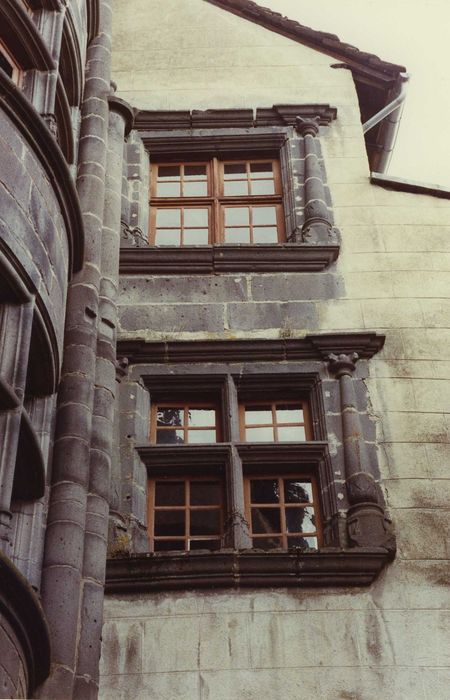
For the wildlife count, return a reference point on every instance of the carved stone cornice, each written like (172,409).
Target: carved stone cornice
(312,347)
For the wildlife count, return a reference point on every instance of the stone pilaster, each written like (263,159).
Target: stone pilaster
(367,525)
(317,227)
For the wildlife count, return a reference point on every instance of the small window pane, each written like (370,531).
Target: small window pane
(195,189)
(205,522)
(266,520)
(259,434)
(266,234)
(196,218)
(291,433)
(297,491)
(168,236)
(236,216)
(264,215)
(169,493)
(169,523)
(264,491)
(235,171)
(201,417)
(309,521)
(169,545)
(170,218)
(258,415)
(168,189)
(237,235)
(302,542)
(202,436)
(195,236)
(169,416)
(267,542)
(169,171)
(261,170)
(205,493)
(235,188)
(299,520)
(263,187)
(169,437)
(289,414)
(195,172)
(212,545)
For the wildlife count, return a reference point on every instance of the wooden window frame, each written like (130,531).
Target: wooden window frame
(273,404)
(152,508)
(185,405)
(282,505)
(216,201)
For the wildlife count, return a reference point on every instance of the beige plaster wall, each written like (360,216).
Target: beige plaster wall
(392,639)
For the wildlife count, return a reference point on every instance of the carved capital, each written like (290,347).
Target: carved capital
(51,122)
(342,364)
(307,127)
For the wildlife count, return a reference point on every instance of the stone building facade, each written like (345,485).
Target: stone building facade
(223,384)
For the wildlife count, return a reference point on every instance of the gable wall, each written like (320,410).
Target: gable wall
(391,277)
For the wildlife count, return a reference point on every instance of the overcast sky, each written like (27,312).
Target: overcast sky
(412,33)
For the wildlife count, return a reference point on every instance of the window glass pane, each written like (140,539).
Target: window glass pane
(266,520)
(205,493)
(169,437)
(302,542)
(264,491)
(264,215)
(202,436)
(170,218)
(205,544)
(298,520)
(169,522)
(297,491)
(259,434)
(291,433)
(195,172)
(196,218)
(168,545)
(195,189)
(205,522)
(171,172)
(309,521)
(266,234)
(267,542)
(201,416)
(237,235)
(261,170)
(263,187)
(235,188)
(169,416)
(258,414)
(168,236)
(195,236)
(236,216)
(168,189)
(289,414)
(235,171)
(169,493)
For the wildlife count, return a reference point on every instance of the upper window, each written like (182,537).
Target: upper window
(9,65)
(276,421)
(216,202)
(174,423)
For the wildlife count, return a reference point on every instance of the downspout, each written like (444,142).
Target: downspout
(389,130)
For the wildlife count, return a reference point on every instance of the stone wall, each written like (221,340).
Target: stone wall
(391,277)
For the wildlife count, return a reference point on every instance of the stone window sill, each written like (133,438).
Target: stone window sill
(287,257)
(245,568)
